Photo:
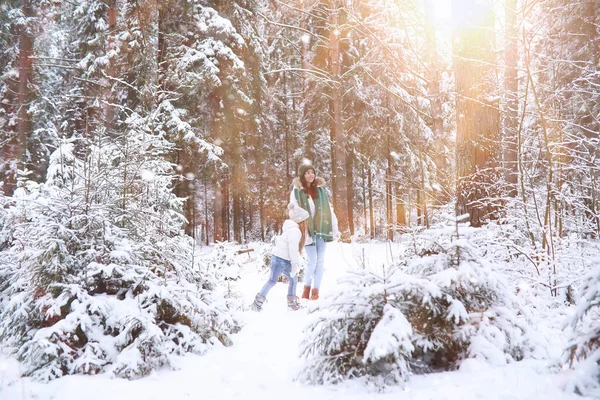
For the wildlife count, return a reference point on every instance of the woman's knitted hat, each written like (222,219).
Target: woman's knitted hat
(305,166)
(297,214)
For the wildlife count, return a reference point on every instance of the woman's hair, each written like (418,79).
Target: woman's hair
(313,189)
(303,228)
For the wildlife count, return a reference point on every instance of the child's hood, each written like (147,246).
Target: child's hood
(288,224)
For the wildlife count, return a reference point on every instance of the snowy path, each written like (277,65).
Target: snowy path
(263,362)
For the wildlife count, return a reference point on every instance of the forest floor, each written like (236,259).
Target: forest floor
(264,361)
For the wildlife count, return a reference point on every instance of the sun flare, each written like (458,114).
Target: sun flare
(449,14)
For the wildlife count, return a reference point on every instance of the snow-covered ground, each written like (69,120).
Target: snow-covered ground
(264,361)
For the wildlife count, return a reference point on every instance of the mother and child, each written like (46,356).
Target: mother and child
(311,225)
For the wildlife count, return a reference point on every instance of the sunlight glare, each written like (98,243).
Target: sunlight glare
(448,14)
(442,14)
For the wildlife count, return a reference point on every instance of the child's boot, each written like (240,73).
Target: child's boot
(292,302)
(258,302)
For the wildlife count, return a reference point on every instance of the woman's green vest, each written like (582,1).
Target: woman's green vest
(319,225)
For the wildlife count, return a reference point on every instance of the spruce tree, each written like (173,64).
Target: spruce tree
(106,279)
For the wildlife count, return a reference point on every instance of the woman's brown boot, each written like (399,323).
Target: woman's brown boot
(314,295)
(306,292)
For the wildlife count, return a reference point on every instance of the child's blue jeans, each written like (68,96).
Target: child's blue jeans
(280,266)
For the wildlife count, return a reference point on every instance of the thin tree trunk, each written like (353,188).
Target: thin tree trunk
(364,197)
(388,190)
(338,165)
(420,220)
(371,219)
(109,110)
(310,140)
(192,202)
(218,209)
(218,180)
(511,87)
(422,205)
(433,91)
(350,190)
(237,200)
(190,206)
(225,215)
(244,221)
(547,240)
(286,130)
(261,209)
(206,211)
(595,211)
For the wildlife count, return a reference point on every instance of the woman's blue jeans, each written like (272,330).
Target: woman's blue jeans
(280,266)
(316,263)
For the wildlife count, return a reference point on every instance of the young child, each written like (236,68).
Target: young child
(285,257)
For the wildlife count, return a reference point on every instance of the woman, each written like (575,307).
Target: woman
(285,257)
(309,193)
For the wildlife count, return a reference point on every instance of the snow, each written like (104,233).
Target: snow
(392,332)
(264,360)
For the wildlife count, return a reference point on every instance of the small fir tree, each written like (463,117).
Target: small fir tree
(429,314)
(583,352)
(106,279)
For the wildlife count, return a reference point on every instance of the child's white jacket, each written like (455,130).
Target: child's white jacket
(286,245)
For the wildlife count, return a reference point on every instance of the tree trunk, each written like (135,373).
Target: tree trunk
(286,130)
(218,208)
(371,219)
(206,212)
(590,122)
(364,197)
(190,206)
(26,40)
(511,87)
(388,191)
(109,108)
(420,212)
(244,235)
(225,215)
(237,187)
(477,114)
(401,213)
(218,178)
(14,149)
(338,164)
(310,140)
(350,190)
(423,218)
(433,88)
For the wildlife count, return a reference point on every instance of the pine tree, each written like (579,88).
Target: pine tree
(583,351)
(106,278)
(429,313)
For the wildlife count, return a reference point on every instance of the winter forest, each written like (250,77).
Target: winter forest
(147,153)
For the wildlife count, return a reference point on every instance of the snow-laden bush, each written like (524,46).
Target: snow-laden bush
(265,253)
(8,260)
(105,279)
(263,262)
(444,306)
(223,266)
(583,351)
(359,331)
(475,314)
